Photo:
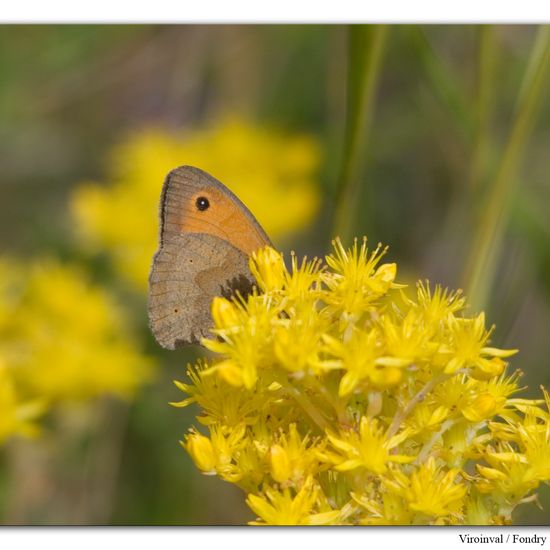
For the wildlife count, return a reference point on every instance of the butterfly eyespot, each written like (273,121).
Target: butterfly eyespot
(202,204)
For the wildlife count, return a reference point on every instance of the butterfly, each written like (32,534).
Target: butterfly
(206,238)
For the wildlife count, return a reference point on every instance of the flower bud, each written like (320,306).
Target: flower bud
(224,313)
(280,464)
(201,451)
(268,269)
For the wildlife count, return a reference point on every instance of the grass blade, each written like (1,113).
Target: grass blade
(366,46)
(487,243)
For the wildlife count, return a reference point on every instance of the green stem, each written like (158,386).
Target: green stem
(307,406)
(402,413)
(485,81)
(487,243)
(427,447)
(366,45)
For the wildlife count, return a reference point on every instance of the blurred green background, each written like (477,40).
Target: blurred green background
(431,139)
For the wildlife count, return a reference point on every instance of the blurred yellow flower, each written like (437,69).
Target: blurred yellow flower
(274,174)
(17,417)
(64,338)
(336,398)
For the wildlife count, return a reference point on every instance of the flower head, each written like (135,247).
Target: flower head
(333,397)
(65,338)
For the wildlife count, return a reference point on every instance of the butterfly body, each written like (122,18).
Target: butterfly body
(206,237)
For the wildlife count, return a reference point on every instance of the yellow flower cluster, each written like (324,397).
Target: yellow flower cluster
(273,174)
(336,398)
(61,339)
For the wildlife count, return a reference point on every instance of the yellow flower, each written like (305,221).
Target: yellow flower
(427,417)
(408,339)
(371,448)
(297,342)
(489,398)
(534,440)
(507,479)
(430,490)
(302,285)
(247,348)
(66,339)
(217,454)
(268,268)
(361,357)
(436,306)
(478,511)
(468,339)
(224,313)
(455,393)
(17,416)
(332,399)
(201,451)
(272,173)
(282,508)
(356,282)
(219,400)
(391,509)
(293,458)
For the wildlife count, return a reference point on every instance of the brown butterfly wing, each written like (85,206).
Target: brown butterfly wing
(227,217)
(203,253)
(188,271)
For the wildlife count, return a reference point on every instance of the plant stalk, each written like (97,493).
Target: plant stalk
(488,237)
(366,46)
(485,88)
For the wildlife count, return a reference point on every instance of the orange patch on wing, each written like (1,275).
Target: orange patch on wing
(223,219)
